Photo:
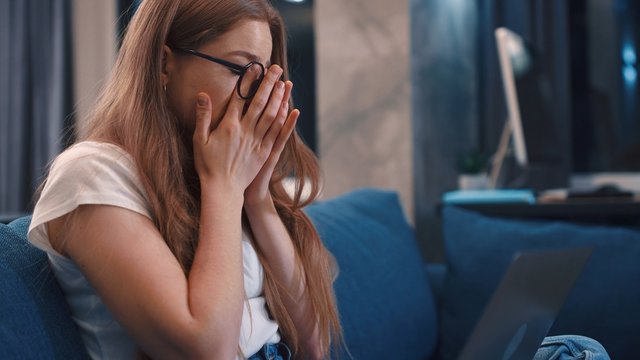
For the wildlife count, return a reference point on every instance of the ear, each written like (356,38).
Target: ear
(168,64)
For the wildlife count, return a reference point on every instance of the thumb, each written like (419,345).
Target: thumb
(203,117)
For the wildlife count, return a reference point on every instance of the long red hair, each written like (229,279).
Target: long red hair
(133,113)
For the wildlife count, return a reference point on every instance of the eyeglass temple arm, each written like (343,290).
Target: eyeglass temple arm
(235,67)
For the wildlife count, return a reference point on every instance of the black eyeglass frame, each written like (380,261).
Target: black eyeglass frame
(238,69)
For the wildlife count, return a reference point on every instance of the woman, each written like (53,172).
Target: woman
(167,223)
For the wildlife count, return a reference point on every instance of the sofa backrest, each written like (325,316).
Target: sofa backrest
(36,320)
(385,302)
(604,303)
(386,306)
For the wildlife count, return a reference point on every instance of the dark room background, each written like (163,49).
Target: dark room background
(588,50)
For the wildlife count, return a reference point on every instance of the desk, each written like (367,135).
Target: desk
(602,212)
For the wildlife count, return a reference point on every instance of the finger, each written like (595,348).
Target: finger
(203,118)
(288,86)
(261,98)
(234,107)
(280,142)
(285,132)
(272,134)
(272,111)
(277,123)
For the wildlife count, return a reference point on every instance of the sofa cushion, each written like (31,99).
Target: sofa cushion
(604,304)
(383,295)
(36,321)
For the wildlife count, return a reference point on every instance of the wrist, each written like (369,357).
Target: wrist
(219,183)
(219,189)
(262,202)
(255,207)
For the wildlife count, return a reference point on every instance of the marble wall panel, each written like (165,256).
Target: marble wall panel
(94,52)
(364,96)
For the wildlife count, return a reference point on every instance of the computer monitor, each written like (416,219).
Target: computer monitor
(513,57)
(530,130)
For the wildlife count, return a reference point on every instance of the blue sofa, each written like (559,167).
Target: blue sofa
(392,304)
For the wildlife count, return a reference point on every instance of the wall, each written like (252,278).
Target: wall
(363,88)
(94,41)
(364,96)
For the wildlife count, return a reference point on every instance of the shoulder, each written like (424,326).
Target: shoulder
(88,173)
(95,172)
(94,166)
(91,154)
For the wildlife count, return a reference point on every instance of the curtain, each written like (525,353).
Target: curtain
(35,94)
(444,106)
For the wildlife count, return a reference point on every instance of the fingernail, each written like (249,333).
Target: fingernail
(202,100)
(280,85)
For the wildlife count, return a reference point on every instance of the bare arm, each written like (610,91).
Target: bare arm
(139,279)
(125,258)
(274,240)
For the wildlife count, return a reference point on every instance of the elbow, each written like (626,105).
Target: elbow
(314,350)
(317,354)
(204,354)
(216,347)
(199,343)
(210,350)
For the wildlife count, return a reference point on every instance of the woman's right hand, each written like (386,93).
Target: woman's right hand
(233,153)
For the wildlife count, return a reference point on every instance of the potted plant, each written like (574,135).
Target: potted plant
(472,168)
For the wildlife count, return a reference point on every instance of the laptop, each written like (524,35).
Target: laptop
(525,305)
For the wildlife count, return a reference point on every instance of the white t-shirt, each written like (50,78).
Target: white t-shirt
(101,173)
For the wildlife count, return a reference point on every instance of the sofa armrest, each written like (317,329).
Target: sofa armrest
(36,320)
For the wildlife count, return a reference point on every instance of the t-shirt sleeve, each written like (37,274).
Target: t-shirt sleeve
(86,174)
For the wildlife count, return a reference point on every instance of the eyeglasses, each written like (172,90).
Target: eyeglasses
(251,75)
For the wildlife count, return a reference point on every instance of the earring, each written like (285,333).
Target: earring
(165,88)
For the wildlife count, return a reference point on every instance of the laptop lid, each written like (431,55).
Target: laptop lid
(525,305)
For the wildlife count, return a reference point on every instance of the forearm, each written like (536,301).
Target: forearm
(275,242)
(216,290)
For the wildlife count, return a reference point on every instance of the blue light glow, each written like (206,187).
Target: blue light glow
(630,74)
(629,55)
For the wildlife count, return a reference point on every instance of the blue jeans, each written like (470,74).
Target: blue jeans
(570,347)
(278,351)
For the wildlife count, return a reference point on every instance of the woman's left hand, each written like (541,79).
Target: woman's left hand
(282,127)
